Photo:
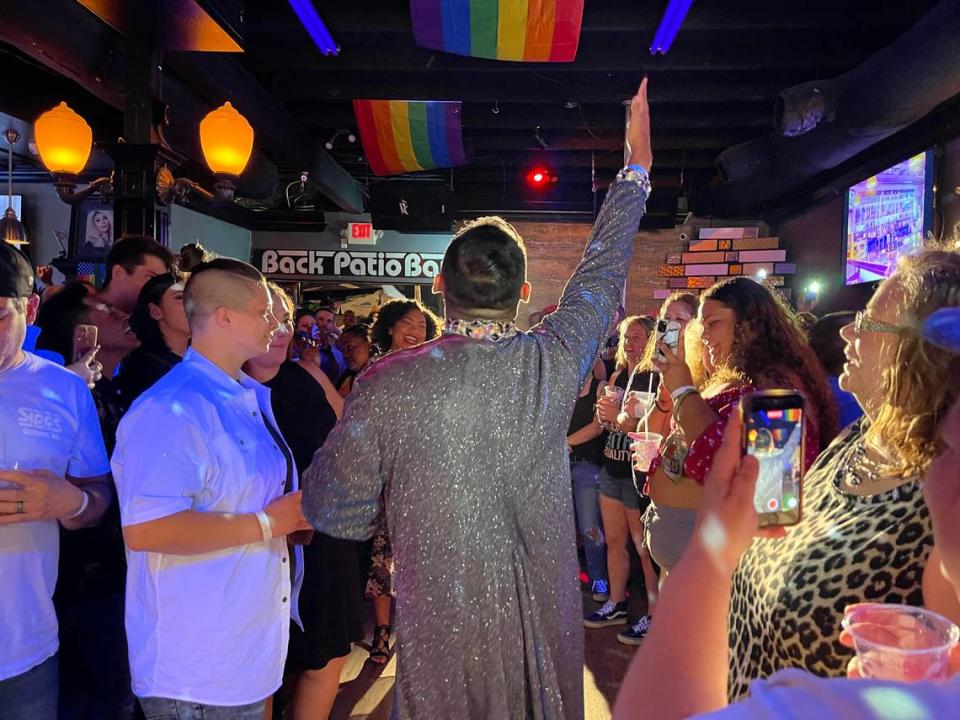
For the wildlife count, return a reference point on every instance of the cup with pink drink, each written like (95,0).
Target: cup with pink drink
(646,446)
(901,642)
(614,393)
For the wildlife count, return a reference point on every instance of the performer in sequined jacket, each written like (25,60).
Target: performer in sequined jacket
(466,437)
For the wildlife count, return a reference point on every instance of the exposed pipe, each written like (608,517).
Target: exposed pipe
(892,89)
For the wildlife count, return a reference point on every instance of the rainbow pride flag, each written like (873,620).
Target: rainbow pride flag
(401,136)
(517,30)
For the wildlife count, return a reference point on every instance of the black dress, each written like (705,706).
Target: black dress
(139,370)
(330,599)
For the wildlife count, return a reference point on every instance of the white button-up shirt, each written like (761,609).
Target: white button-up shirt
(47,422)
(210,628)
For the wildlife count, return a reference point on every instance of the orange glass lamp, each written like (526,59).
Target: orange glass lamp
(64,140)
(226,139)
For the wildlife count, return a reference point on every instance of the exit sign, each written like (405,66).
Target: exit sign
(361,233)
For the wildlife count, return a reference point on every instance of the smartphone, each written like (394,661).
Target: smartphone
(84,340)
(668,332)
(773,430)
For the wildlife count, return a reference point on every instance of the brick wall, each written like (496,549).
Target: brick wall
(554,249)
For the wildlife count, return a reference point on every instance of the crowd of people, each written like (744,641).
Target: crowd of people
(193,509)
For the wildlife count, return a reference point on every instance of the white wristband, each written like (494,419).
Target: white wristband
(680,391)
(83,505)
(265,527)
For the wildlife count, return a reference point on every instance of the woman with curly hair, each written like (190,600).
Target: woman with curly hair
(866,534)
(400,325)
(403,324)
(753,342)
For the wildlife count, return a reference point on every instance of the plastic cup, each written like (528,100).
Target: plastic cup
(901,642)
(612,391)
(645,401)
(646,446)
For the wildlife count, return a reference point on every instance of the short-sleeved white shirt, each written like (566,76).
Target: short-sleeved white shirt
(48,421)
(209,628)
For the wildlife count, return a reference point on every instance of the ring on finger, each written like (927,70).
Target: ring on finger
(19,506)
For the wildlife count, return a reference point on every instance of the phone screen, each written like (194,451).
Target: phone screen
(84,340)
(669,334)
(773,434)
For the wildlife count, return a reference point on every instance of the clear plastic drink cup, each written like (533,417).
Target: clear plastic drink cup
(645,401)
(901,642)
(646,446)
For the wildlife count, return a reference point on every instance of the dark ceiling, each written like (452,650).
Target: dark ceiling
(717,87)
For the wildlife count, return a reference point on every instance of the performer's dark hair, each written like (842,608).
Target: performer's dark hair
(485,266)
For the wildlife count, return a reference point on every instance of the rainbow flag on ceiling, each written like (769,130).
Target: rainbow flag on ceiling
(517,30)
(401,136)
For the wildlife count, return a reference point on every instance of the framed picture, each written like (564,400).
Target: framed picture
(92,230)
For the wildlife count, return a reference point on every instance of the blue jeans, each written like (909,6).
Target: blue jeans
(166,709)
(586,499)
(32,695)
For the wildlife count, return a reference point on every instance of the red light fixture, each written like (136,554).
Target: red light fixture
(538,178)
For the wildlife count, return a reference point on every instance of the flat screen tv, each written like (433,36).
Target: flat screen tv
(888,216)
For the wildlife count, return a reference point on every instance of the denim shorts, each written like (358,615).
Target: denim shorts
(620,489)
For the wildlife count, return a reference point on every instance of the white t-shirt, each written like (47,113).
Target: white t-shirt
(798,695)
(47,422)
(210,628)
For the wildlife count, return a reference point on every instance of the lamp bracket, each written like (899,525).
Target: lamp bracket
(66,186)
(180,189)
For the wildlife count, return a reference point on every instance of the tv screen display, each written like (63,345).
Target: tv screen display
(888,216)
(5,201)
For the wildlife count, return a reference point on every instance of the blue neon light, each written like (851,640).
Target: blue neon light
(673,18)
(314,26)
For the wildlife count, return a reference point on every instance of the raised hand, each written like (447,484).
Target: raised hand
(638,132)
(88,368)
(728,520)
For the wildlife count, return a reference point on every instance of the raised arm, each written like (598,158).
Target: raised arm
(585,312)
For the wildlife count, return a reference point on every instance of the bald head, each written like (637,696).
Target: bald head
(220,283)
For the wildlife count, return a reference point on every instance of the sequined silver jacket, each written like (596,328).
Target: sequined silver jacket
(466,439)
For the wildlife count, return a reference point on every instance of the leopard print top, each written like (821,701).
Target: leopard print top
(789,594)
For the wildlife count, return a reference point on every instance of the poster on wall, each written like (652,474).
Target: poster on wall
(351,265)
(92,232)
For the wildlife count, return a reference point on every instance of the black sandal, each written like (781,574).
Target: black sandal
(380,647)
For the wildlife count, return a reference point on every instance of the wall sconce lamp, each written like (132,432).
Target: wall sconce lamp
(64,140)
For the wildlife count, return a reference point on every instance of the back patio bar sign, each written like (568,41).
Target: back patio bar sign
(368,265)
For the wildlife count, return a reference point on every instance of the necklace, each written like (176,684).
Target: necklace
(857,466)
(491,330)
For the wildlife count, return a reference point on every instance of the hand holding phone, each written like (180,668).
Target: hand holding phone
(84,340)
(668,332)
(773,423)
